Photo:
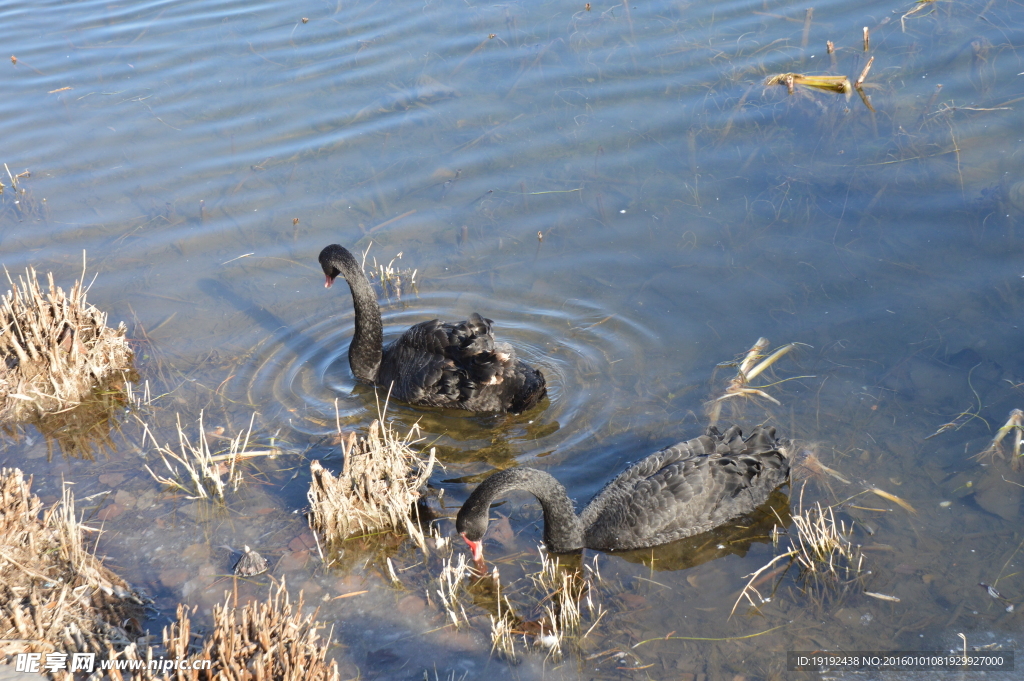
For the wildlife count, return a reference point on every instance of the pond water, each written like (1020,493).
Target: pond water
(618,188)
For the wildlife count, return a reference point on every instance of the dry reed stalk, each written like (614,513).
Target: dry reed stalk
(54,348)
(837,84)
(807,466)
(449,588)
(501,634)
(562,594)
(391,278)
(268,640)
(864,74)
(56,596)
(503,624)
(376,490)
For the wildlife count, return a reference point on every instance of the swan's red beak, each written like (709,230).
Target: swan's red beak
(330,280)
(477,547)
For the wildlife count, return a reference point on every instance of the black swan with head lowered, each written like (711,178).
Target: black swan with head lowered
(437,364)
(682,490)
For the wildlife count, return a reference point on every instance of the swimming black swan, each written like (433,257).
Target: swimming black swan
(434,363)
(682,490)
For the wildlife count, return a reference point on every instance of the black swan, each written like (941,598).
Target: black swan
(682,490)
(435,363)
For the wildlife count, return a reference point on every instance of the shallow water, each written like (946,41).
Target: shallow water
(616,188)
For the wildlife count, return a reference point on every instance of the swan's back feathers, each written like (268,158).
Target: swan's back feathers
(459,365)
(688,488)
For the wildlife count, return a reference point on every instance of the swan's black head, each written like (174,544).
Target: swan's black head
(332,259)
(471,522)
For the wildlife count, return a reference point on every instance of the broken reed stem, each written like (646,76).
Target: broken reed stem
(864,74)
(867,39)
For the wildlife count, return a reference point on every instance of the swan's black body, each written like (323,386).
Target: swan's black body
(435,363)
(682,490)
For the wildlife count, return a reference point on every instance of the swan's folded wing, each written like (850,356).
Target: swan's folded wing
(703,446)
(416,369)
(681,491)
(481,361)
(441,364)
(639,509)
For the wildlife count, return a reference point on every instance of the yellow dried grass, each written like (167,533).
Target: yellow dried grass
(55,595)
(54,348)
(377,488)
(271,639)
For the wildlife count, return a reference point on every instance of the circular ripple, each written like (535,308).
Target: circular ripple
(592,359)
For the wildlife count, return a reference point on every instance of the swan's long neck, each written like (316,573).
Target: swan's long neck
(563,530)
(364,354)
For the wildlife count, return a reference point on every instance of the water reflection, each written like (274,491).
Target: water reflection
(733,538)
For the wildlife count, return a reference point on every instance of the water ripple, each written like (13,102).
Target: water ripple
(583,350)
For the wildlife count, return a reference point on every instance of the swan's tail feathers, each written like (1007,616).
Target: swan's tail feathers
(764,440)
(732,442)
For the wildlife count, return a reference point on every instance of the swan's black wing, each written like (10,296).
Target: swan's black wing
(456,365)
(686,489)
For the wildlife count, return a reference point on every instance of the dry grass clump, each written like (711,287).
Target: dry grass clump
(204,473)
(821,548)
(53,348)
(377,489)
(269,640)
(821,545)
(564,592)
(85,431)
(55,596)
(449,588)
(562,601)
(558,616)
